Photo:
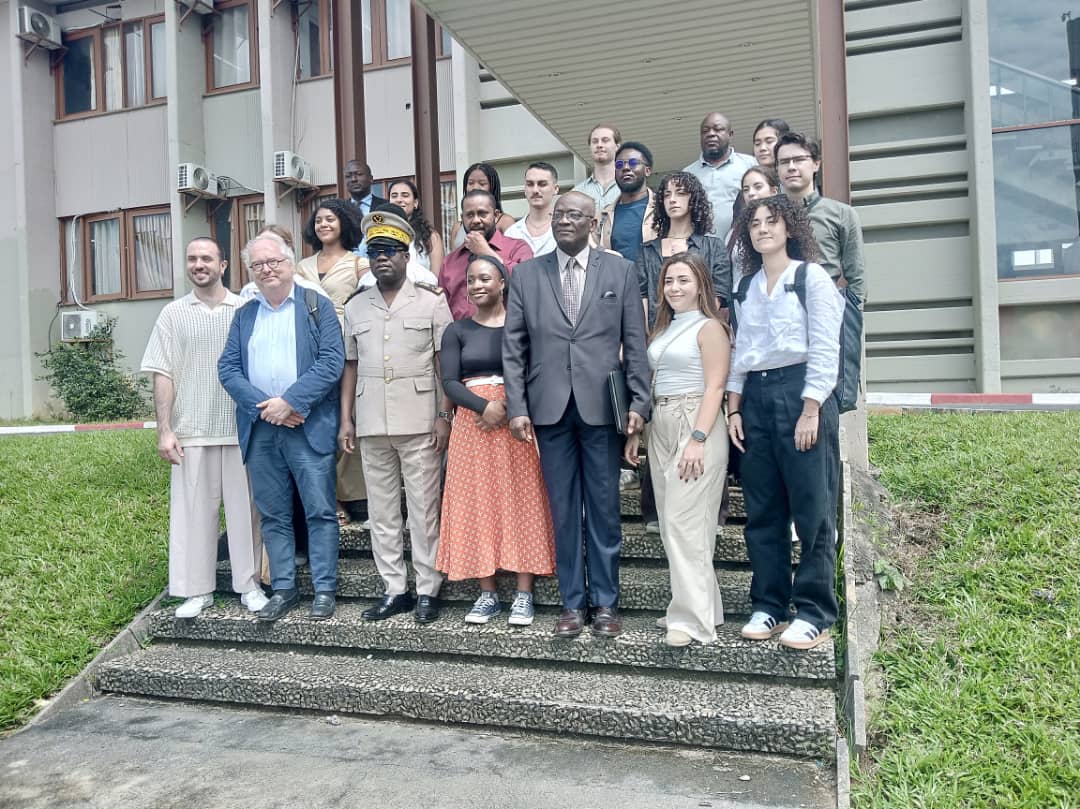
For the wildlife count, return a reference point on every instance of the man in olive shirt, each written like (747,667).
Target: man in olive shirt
(836,226)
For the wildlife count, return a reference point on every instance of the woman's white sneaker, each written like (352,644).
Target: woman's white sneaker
(762,626)
(254,600)
(194,605)
(803,635)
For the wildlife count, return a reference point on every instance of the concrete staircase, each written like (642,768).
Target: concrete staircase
(734,694)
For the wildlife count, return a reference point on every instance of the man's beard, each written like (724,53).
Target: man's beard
(634,186)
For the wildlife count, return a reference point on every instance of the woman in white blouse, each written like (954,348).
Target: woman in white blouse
(783,417)
(689,353)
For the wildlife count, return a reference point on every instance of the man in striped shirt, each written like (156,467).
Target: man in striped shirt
(196,425)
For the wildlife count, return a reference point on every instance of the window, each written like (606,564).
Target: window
(232,54)
(233,225)
(112,67)
(117,256)
(314,39)
(388,33)
(1035,115)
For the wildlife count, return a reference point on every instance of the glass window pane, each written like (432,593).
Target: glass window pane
(114,68)
(398,30)
(232,48)
(254,220)
(105,256)
(448,192)
(134,56)
(80,85)
(446,44)
(1044,332)
(157,60)
(365,16)
(153,251)
(1034,61)
(307,37)
(73,259)
(1036,172)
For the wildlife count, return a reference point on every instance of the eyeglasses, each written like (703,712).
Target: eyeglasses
(632,162)
(374,252)
(797,160)
(271,264)
(573,216)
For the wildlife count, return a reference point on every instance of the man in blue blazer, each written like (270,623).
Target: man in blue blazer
(568,316)
(282,365)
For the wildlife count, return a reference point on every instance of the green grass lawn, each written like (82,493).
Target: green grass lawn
(83,547)
(982,703)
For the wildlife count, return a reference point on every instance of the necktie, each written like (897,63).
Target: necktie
(570,294)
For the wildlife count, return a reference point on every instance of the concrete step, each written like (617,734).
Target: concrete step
(643,588)
(692,709)
(630,501)
(641,643)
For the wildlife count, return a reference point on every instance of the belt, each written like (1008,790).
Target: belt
(679,397)
(494,379)
(784,372)
(388,372)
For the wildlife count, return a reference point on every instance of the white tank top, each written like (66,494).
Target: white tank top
(679,370)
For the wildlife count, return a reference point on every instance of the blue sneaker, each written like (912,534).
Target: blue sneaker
(522,611)
(485,608)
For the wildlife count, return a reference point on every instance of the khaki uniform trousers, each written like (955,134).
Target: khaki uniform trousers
(206,478)
(687,514)
(388,460)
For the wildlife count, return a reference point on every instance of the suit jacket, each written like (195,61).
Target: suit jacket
(545,358)
(320,359)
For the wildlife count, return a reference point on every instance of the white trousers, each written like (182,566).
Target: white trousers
(687,514)
(206,478)
(388,460)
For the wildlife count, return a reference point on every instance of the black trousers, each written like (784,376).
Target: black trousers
(782,485)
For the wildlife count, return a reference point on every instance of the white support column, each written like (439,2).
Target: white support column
(465,84)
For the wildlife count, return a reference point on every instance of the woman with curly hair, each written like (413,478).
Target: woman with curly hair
(682,220)
(334,232)
(427,248)
(783,417)
(484,177)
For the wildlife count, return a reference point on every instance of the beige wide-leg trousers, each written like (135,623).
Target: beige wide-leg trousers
(687,513)
(389,460)
(206,478)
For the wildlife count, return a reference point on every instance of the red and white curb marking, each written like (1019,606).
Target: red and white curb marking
(1012,400)
(40,429)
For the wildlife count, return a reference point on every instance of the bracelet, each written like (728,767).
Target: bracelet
(734,413)
(810,415)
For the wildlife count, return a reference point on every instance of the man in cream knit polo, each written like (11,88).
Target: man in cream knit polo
(196,424)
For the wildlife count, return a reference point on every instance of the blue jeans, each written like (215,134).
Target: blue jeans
(782,485)
(581,468)
(276,456)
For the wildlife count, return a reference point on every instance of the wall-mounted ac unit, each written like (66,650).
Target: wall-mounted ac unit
(291,168)
(77,325)
(38,27)
(192,178)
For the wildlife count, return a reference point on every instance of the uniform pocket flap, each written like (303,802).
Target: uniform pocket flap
(361,327)
(424,384)
(416,323)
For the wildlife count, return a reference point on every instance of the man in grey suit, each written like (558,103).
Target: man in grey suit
(568,315)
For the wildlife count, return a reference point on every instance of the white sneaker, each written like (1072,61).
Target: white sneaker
(762,626)
(194,605)
(254,600)
(803,635)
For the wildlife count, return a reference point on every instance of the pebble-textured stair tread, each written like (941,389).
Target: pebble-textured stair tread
(642,588)
(655,706)
(641,644)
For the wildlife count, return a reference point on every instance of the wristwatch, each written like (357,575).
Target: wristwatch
(698,436)
(444,415)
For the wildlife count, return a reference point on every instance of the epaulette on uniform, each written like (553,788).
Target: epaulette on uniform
(429,287)
(355,293)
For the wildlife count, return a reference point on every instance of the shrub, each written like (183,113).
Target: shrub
(87,379)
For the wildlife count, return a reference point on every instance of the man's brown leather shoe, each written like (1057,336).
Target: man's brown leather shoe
(570,624)
(606,623)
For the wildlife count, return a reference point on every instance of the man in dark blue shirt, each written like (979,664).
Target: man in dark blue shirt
(627,223)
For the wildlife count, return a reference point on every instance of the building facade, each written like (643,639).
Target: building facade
(957,121)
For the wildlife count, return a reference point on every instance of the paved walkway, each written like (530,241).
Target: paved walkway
(123,753)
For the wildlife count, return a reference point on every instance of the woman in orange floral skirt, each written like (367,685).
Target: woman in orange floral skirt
(495,513)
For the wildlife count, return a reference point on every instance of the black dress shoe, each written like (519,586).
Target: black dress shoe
(390,605)
(322,606)
(280,603)
(427,609)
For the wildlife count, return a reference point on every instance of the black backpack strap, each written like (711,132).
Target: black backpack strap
(739,296)
(311,300)
(799,286)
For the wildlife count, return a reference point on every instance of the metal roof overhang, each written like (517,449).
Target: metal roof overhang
(654,70)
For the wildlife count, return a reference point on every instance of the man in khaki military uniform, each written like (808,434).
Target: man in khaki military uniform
(391,399)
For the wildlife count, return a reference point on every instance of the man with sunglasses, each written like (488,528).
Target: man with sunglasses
(281,365)
(627,223)
(394,413)
(720,169)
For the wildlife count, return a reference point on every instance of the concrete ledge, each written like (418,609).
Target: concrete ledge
(651,706)
(130,639)
(853,702)
(843,774)
(640,645)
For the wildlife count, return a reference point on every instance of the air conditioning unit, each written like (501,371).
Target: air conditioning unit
(192,178)
(38,27)
(291,168)
(77,325)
